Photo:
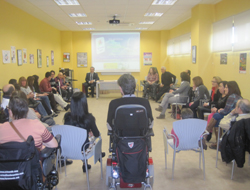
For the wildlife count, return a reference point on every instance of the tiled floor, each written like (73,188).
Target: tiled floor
(187,172)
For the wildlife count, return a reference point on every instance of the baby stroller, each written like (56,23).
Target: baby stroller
(20,168)
(129,165)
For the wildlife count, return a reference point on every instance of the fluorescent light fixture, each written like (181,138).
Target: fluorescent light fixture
(67,2)
(153,14)
(164,2)
(88,28)
(77,15)
(148,22)
(84,23)
(141,28)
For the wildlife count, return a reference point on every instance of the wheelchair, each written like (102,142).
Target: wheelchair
(20,166)
(129,165)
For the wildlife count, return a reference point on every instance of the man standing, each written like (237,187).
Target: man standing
(167,80)
(91,79)
(46,87)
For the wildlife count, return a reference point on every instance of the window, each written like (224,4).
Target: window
(180,45)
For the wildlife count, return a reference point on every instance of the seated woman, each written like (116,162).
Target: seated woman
(79,116)
(218,105)
(152,82)
(215,95)
(18,109)
(200,92)
(234,94)
(179,95)
(35,88)
(30,96)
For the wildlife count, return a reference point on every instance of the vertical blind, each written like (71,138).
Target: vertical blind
(180,45)
(242,31)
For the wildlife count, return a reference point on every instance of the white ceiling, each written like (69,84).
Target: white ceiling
(129,12)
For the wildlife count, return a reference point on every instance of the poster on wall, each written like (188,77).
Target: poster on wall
(6,56)
(223,58)
(194,54)
(39,58)
(31,58)
(52,57)
(82,59)
(47,61)
(24,55)
(19,57)
(13,54)
(243,63)
(147,58)
(66,57)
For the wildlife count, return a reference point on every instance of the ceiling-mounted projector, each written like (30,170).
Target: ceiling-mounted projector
(114,21)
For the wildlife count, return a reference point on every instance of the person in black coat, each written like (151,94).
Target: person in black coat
(167,80)
(91,79)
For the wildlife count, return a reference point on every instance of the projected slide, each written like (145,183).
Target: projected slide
(116,52)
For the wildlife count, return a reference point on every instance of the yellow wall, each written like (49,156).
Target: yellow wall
(22,30)
(74,42)
(208,63)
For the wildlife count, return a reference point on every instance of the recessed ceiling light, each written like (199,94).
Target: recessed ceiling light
(153,14)
(77,15)
(148,22)
(67,2)
(88,28)
(84,23)
(141,28)
(164,2)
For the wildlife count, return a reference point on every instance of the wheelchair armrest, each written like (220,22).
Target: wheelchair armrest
(46,152)
(150,132)
(110,132)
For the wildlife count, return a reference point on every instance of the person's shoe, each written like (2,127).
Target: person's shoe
(103,155)
(68,162)
(56,111)
(67,107)
(87,96)
(159,109)
(84,169)
(209,137)
(34,105)
(161,117)
(92,95)
(203,144)
(54,114)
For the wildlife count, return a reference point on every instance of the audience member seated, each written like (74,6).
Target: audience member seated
(79,116)
(189,74)
(53,82)
(241,111)
(65,91)
(7,91)
(179,95)
(215,95)
(200,92)
(234,94)
(152,82)
(31,97)
(35,87)
(18,109)
(167,80)
(91,79)
(14,83)
(127,86)
(218,105)
(186,113)
(46,87)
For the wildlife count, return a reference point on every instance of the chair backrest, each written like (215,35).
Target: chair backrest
(72,140)
(189,132)
(131,120)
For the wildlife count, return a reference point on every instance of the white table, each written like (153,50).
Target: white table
(106,85)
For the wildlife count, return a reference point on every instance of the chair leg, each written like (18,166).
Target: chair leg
(203,159)
(232,173)
(173,165)
(165,159)
(218,142)
(199,160)
(101,165)
(87,172)
(64,161)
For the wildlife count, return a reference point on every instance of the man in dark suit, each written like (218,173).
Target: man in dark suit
(91,79)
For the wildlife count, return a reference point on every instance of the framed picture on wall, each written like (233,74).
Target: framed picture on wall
(19,57)
(39,58)
(47,61)
(66,57)
(52,57)
(82,59)
(194,49)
